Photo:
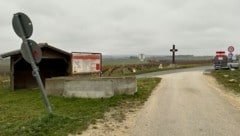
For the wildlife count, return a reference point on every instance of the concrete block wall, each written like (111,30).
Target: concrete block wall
(103,87)
(55,86)
(88,88)
(124,85)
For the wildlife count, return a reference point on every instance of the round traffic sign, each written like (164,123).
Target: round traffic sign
(22,25)
(230,48)
(35,51)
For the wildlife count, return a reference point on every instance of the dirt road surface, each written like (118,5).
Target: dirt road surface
(187,104)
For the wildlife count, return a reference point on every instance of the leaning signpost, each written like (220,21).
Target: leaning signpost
(30,51)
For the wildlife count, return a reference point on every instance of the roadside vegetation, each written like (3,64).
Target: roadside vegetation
(22,112)
(229,79)
(134,69)
(132,66)
(4,77)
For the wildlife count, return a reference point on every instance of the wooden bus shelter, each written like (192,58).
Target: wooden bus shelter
(55,62)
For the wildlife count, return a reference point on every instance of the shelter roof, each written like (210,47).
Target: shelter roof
(42,45)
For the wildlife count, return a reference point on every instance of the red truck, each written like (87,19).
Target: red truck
(220,61)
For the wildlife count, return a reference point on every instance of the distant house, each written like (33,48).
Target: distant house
(54,63)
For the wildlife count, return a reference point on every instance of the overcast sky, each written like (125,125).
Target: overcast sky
(118,27)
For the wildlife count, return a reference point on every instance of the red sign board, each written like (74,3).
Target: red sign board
(220,53)
(86,62)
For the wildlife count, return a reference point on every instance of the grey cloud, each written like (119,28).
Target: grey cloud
(127,26)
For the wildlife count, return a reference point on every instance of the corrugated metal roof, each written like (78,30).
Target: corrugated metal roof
(42,45)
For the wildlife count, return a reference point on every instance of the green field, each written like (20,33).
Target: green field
(22,112)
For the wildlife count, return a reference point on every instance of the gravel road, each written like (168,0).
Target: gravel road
(184,104)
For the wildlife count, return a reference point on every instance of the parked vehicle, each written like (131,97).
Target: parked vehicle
(233,64)
(220,62)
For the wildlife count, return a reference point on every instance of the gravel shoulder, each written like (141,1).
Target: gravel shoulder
(227,94)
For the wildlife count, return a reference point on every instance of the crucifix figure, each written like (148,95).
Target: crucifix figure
(173,50)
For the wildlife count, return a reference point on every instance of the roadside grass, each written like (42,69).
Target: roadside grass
(229,79)
(22,112)
(2,78)
(4,81)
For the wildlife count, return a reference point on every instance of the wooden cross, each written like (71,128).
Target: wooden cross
(173,50)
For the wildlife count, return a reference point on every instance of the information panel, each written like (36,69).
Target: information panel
(83,62)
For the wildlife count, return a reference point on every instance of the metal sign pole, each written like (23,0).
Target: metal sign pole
(34,66)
